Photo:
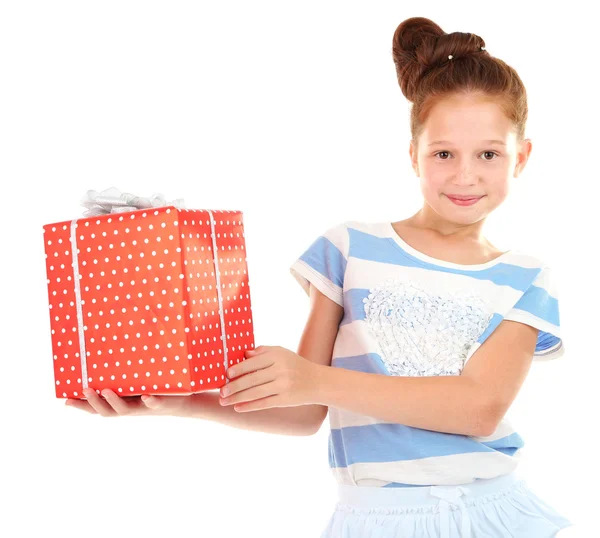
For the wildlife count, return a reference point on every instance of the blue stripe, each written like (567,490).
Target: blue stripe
(401,485)
(378,443)
(324,257)
(370,363)
(512,443)
(354,307)
(385,250)
(540,303)
(546,341)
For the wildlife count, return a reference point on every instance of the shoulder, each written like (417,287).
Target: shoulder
(533,273)
(525,260)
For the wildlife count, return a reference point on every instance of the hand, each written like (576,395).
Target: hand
(113,405)
(271,377)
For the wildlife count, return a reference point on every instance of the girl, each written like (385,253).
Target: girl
(421,332)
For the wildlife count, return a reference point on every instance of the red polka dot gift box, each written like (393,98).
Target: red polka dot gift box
(150,301)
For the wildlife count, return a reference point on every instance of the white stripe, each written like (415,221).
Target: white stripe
(352,340)
(338,235)
(438,470)
(219,295)
(547,282)
(305,275)
(366,274)
(339,418)
(76,276)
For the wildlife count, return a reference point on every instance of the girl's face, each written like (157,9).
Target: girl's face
(468,148)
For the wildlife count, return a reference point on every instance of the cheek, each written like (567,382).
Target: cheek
(499,189)
(434,172)
(432,184)
(503,191)
(499,198)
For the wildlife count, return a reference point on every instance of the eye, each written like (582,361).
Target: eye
(484,153)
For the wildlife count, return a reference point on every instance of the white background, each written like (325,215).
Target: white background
(290,112)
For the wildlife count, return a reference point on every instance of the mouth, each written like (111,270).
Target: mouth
(463,200)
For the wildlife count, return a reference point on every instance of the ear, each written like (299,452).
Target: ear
(412,150)
(522,156)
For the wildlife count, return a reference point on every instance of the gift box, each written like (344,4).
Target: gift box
(149,301)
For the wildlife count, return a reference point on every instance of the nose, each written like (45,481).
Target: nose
(465,176)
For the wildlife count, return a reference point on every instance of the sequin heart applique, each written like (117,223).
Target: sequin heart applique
(420,334)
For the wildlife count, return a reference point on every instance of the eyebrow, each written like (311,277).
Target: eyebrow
(498,142)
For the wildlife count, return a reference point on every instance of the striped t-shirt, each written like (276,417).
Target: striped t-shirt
(408,314)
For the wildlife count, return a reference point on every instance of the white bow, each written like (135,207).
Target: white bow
(447,496)
(112,200)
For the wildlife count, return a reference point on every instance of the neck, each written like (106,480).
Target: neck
(426,218)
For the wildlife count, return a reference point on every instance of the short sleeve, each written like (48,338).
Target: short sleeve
(539,307)
(323,264)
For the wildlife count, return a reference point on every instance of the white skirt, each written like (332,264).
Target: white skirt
(502,507)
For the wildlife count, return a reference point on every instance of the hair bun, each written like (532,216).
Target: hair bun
(419,45)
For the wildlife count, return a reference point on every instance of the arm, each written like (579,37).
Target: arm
(295,421)
(316,345)
(470,404)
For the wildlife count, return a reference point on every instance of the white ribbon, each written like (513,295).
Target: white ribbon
(219,295)
(114,201)
(451,495)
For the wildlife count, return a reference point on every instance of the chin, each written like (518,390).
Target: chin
(474,219)
(462,215)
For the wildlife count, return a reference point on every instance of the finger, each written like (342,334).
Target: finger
(255,392)
(120,405)
(102,407)
(246,381)
(151,402)
(258,350)
(81,404)
(253,362)
(257,405)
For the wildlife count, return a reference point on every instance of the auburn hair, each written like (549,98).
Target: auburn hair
(426,75)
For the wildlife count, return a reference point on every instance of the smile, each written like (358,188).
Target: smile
(464,201)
